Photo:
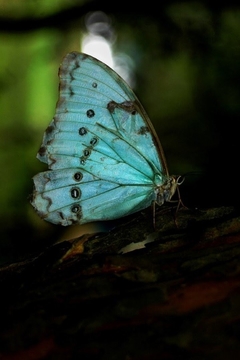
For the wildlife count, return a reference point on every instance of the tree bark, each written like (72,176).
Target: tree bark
(132,293)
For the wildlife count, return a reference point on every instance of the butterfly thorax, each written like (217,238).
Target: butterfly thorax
(165,191)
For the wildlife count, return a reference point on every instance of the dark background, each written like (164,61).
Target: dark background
(185,61)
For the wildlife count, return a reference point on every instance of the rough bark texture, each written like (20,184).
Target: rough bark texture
(132,293)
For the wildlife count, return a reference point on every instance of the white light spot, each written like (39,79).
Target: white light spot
(98,47)
(98,42)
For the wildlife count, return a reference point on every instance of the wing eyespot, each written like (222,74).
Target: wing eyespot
(78,176)
(86,152)
(75,193)
(82,160)
(90,113)
(82,131)
(76,209)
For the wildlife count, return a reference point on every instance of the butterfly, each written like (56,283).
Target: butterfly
(104,157)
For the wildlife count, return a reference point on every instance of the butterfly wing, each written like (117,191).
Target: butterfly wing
(104,157)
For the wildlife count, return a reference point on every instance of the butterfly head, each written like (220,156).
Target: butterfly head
(165,192)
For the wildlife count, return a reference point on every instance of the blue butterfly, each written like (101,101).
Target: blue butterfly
(104,157)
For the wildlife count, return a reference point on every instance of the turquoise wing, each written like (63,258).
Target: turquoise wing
(104,158)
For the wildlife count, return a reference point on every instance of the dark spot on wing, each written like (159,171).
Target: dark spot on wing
(93,141)
(78,176)
(128,106)
(61,215)
(82,131)
(50,129)
(71,75)
(86,152)
(90,113)
(76,209)
(42,150)
(71,92)
(75,193)
(111,106)
(143,130)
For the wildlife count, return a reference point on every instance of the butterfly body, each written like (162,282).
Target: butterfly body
(104,158)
